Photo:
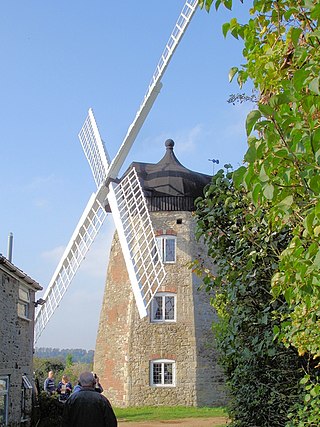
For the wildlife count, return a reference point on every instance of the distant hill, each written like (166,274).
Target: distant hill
(78,354)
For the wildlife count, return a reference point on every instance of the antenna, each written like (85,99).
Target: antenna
(10,247)
(213,162)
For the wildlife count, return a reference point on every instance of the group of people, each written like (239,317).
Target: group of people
(84,405)
(64,388)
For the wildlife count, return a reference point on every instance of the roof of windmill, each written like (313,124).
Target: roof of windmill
(168,185)
(169,177)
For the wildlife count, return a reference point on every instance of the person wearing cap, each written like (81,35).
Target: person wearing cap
(87,408)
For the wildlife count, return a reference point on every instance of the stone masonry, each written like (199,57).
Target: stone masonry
(16,345)
(126,344)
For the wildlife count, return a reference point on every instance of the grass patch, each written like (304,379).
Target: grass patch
(159,413)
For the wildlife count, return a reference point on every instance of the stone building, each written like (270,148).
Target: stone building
(17,305)
(167,358)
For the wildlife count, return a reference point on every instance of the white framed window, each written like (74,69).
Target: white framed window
(26,395)
(163,307)
(167,248)
(163,373)
(24,302)
(4,394)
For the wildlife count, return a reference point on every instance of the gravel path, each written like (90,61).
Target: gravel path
(186,422)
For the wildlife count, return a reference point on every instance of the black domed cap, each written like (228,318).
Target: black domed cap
(169,177)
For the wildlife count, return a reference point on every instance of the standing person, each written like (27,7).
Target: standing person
(49,385)
(76,388)
(98,387)
(87,408)
(64,388)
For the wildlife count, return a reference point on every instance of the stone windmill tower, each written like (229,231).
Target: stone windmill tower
(167,357)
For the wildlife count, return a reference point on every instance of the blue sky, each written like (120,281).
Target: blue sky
(60,58)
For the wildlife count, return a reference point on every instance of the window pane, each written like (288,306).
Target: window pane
(159,244)
(3,404)
(23,309)
(157,308)
(24,294)
(168,376)
(3,385)
(169,308)
(170,250)
(156,373)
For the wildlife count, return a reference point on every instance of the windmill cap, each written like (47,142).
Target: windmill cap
(168,185)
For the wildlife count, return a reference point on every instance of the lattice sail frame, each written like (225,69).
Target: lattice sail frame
(137,239)
(179,29)
(79,244)
(94,149)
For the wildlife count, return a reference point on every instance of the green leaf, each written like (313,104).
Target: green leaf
(299,78)
(295,35)
(251,154)
(225,28)
(266,110)
(280,99)
(285,203)
(316,261)
(268,191)
(308,223)
(305,379)
(238,175)
(228,4)
(233,71)
(263,176)
(314,85)
(252,119)
(256,193)
(315,184)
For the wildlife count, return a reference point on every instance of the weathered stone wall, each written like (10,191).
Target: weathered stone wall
(112,344)
(16,345)
(126,344)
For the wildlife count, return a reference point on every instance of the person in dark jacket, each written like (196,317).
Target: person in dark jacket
(87,408)
(64,388)
(49,385)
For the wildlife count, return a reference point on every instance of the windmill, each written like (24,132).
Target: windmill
(126,200)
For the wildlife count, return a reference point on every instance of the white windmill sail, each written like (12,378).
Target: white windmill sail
(144,285)
(94,149)
(79,244)
(137,239)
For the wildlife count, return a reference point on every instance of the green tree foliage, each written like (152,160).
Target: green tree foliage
(41,367)
(282,58)
(69,360)
(262,374)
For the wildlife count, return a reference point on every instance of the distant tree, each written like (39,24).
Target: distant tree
(73,371)
(78,355)
(69,360)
